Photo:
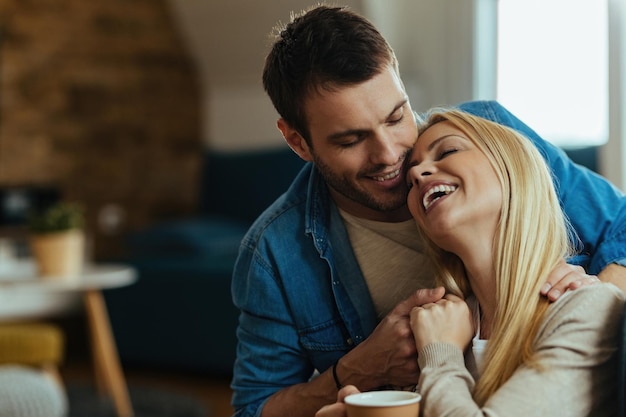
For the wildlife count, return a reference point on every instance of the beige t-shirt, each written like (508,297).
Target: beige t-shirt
(391,258)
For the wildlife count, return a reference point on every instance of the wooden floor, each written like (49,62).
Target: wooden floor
(215,393)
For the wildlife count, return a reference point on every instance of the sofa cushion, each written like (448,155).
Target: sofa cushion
(189,238)
(242,184)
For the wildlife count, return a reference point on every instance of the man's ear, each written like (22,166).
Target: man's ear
(295,141)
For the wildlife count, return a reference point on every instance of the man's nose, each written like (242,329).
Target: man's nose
(385,150)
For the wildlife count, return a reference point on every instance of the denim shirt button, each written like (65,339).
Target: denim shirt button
(350,342)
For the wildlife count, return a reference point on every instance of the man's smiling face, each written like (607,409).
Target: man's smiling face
(360,136)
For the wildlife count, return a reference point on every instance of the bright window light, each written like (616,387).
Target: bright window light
(553,67)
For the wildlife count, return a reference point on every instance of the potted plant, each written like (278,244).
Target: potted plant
(57,239)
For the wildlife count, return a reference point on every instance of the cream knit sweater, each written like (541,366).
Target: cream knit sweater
(575,347)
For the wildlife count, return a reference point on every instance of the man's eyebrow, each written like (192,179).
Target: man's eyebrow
(356,132)
(346,133)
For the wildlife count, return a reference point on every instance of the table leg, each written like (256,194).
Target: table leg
(106,360)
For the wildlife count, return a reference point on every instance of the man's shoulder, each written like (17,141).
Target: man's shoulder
(288,214)
(488,109)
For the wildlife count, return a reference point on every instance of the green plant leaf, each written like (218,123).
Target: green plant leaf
(56,218)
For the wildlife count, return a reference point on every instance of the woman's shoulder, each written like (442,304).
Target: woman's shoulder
(595,291)
(592,303)
(582,327)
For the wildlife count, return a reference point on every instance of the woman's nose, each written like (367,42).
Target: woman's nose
(417,172)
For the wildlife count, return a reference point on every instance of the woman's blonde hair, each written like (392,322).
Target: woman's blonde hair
(532,237)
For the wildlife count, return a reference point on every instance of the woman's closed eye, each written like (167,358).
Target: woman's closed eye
(446,152)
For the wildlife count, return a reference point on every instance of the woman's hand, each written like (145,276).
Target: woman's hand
(448,320)
(338,409)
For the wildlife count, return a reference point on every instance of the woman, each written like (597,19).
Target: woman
(484,200)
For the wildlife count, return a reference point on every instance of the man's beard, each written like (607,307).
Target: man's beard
(386,202)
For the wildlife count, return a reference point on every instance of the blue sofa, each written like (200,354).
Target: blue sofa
(179,315)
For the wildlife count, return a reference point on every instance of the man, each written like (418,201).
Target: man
(327,276)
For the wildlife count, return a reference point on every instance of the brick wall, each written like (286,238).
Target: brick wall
(100,98)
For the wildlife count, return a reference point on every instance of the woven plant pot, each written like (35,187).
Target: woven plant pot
(59,254)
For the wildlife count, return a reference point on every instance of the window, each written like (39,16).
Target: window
(553,67)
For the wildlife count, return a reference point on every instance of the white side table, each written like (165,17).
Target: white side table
(24,295)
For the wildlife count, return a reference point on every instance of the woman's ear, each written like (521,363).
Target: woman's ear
(295,141)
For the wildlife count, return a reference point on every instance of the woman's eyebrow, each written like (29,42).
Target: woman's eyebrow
(412,162)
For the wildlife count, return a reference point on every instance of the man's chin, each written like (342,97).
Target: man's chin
(393,208)
(389,205)
(392,200)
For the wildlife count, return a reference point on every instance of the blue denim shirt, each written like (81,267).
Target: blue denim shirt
(303,300)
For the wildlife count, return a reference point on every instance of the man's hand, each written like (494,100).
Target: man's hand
(338,409)
(615,274)
(566,277)
(388,356)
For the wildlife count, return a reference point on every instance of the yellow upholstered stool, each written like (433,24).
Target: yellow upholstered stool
(36,344)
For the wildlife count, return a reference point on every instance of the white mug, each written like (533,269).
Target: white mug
(383,404)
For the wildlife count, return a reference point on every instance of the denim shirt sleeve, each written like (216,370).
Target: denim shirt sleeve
(595,208)
(264,334)
(291,323)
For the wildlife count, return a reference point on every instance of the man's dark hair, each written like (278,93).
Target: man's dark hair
(324,48)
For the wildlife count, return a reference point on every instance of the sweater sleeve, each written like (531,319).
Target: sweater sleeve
(575,371)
